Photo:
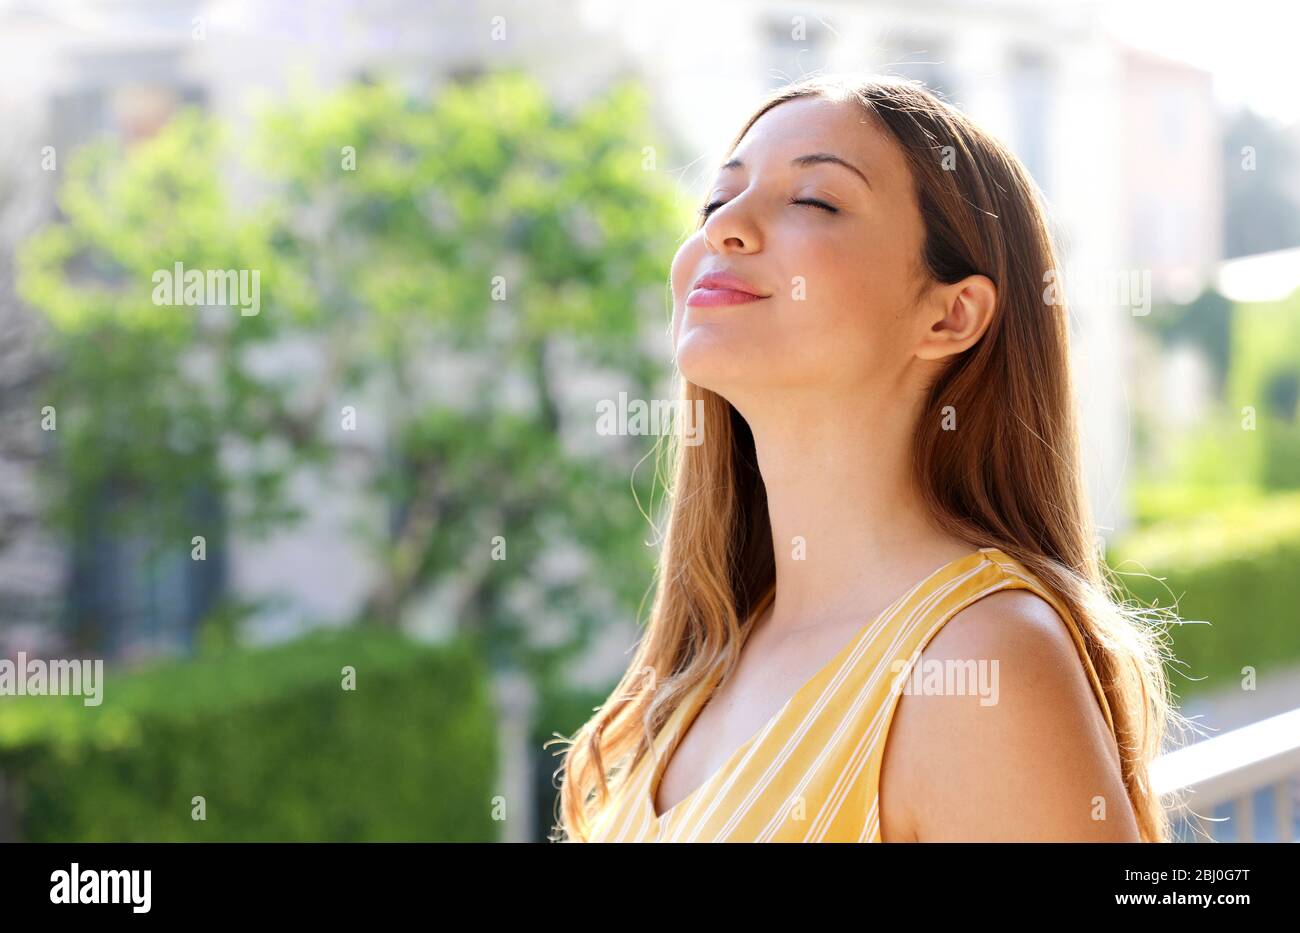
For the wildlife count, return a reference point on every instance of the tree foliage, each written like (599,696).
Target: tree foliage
(446,265)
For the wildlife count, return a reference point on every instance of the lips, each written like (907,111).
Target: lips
(722,288)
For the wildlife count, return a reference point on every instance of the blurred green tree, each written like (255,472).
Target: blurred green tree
(1204,323)
(445,266)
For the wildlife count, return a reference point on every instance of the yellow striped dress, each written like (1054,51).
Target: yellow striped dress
(812,772)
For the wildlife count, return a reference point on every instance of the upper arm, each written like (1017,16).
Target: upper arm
(1031,760)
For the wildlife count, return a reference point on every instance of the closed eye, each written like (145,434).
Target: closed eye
(813,202)
(709,208)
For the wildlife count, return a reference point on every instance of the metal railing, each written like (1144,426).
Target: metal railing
(1225,781)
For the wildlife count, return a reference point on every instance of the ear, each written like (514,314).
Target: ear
(957,316)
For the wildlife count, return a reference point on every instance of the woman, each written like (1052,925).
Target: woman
(884,534)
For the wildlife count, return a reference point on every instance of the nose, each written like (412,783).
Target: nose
(732,226)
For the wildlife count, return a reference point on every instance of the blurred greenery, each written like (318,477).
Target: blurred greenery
(1250,438)
(445,264)
(448,266)
(1218,516)
(1153,503)
(1265,375)
(1233,565)
(272,742)
(1205,323)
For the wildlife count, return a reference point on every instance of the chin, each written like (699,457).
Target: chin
(708,358)
(705,356)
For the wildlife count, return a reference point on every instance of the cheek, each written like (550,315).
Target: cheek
(833,289)
(682,273)
(855,304)
(685,260)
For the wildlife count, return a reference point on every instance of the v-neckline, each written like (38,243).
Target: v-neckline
(698,697)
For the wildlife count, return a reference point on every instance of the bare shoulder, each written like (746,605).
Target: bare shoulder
(999,736)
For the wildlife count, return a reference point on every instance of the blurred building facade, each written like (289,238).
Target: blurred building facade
(1172,174)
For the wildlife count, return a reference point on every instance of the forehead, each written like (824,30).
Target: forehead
(816,124)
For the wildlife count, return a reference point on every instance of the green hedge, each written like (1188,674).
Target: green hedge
(1236,566)
(273,743)
(1159,503)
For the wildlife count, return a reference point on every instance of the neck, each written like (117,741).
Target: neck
(849,524)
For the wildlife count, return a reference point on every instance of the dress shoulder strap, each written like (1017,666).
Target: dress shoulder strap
(997,571)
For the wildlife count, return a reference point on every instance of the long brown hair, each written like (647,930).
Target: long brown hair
(1010,478)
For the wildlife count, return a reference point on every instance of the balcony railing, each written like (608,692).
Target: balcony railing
(1237,787)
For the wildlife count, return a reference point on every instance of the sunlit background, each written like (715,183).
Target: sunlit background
(351,559)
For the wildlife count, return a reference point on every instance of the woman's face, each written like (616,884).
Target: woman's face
(839,285)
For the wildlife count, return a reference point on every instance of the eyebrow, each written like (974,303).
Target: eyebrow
(814,158)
